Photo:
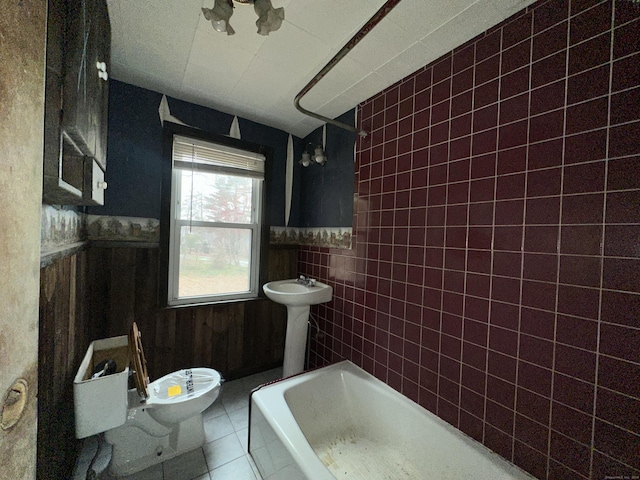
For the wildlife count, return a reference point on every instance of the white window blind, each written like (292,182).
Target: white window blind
(189,153)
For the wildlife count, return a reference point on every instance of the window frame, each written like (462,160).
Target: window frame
(259,253)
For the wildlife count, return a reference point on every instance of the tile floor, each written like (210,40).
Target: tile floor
(226,425)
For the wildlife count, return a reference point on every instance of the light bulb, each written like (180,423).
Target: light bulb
(319,156)
(219,25)
(305,161)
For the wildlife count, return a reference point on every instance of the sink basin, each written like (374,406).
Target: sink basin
(291,293)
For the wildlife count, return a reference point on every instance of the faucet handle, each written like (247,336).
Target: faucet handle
(306,281)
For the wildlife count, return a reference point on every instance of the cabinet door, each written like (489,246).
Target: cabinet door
(94,184)
(103,58)
(63,182)
(87,43)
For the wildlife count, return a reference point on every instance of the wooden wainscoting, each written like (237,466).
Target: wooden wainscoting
(64,335)
(237,338)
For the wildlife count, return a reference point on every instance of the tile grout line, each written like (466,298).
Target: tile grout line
(559,242)
(602,244)
(492,251)
(522,253)
(466,259)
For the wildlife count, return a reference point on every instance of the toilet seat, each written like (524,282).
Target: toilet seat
(190,383)
(140,373)
(172,388)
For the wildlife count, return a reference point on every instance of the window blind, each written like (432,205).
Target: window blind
(190,153)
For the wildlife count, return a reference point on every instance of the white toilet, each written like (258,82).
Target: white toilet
(163,418)
(163,426)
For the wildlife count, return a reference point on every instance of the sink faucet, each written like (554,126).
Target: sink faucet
(307,282)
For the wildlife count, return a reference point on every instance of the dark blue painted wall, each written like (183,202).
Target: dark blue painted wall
(134,159)
(134,153)
(327,192)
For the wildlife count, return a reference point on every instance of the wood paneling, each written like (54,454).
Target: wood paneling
(64,335)
(236,338)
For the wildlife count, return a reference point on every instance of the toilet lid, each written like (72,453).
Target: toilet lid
(138,361)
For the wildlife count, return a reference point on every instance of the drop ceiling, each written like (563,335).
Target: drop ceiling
(169,47)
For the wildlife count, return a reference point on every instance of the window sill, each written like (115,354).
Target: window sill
(262,296)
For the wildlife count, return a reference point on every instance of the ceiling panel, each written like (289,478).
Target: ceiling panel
(171,48)
(422,17)
(330,18)
(296,48)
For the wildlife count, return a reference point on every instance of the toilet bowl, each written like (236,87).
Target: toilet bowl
(199,388)
(164,417)
(163,426)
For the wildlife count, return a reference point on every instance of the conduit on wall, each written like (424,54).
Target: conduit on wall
(288,180)
(373,21)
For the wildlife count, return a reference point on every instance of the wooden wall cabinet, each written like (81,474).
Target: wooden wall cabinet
(76,102)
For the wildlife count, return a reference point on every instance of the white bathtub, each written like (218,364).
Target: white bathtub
(339,422)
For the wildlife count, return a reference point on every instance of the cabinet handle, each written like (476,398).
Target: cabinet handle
(102,71)
(102,185)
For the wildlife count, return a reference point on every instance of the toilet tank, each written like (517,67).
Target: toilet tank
(100,404)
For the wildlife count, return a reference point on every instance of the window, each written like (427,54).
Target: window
(215,222)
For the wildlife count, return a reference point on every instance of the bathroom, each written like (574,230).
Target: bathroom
(497,287)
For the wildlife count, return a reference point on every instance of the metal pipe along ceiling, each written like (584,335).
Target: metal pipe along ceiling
(373,21)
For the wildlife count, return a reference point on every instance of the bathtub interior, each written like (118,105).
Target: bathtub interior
(338,425)
(361,428)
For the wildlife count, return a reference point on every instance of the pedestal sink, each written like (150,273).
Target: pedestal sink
(297,297)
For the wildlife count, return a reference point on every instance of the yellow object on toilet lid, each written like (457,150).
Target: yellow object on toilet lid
(174,390)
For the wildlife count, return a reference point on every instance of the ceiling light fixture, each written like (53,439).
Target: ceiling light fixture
(269,18)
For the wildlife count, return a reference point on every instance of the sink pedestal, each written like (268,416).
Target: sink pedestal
(297,297)
(295,344)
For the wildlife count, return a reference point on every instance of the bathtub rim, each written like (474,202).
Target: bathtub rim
(303,463)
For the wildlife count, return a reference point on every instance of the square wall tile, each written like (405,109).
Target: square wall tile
(589,84)
(549,69)
(590,23)
(621,141)
(550,41)
(545,154)
(619,410)
(617,442)
(589,54)
(620,308)
(570,453)
(578,394)
(625,72)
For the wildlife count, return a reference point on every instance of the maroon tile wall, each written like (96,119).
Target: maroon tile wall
(495,273)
